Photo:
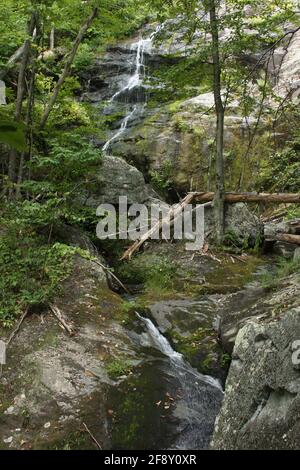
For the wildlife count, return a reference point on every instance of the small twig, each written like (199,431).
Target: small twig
(92,436)
(239,258)
(112,274)
(57,313)
(16,330)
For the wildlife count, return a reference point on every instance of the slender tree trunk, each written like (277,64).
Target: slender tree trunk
(28,124)
(67,67)
(219,205)
(52,39)
(12,164)
(33,26)
(19,52)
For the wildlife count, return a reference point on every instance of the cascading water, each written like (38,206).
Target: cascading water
(201,395)
(135,80)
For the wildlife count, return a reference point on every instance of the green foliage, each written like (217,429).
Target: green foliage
(161,275)
(162,178)
(69,158)
(84,58)
(157,273)
(281,172)
(118,367)
(293,212)
(225,360)
(12,133)
(32,272)
(180,81)
(284,268)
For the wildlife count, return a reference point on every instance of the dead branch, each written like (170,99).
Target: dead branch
(233,198)
(112,275)
(287,237)
(92,436)
(16,330)
(60,317)
(173,213)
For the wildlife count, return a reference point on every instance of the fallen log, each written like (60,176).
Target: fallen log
(173,213)
(287,237)
(231,198)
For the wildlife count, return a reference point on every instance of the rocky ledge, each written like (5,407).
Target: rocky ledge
(261,407)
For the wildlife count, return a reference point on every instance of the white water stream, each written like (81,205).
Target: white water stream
(135,80)
(201,395)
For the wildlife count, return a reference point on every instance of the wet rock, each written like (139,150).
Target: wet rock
(284,249)
(261,407)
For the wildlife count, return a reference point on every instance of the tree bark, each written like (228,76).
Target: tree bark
(28,124)
(52,39)
(232,198)
(220,112)
(18,113)
(286,237)
(67,67)
(32,28)
(13,59)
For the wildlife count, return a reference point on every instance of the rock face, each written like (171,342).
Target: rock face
(242,227)
(261,407)
(273,230)
(288,69)
(177,145)
(53,382)
(117,178)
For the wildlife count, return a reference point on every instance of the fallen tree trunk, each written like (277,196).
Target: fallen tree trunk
(287,237)
(173,213)
(232,198)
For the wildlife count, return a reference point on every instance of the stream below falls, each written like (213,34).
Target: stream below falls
(166,403)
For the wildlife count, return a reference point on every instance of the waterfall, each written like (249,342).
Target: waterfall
(135,80)
(201,394)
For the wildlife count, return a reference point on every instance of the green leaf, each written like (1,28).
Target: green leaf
(13,134)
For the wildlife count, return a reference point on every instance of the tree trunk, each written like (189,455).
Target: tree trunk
(13,59)
(232,198)
(220,112)
(52,39)
(286,237)
(18,113)
(32,28)
(28,124)
(67,67)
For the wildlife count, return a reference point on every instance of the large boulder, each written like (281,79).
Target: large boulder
(261,407)
(117,178)
(242,227)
